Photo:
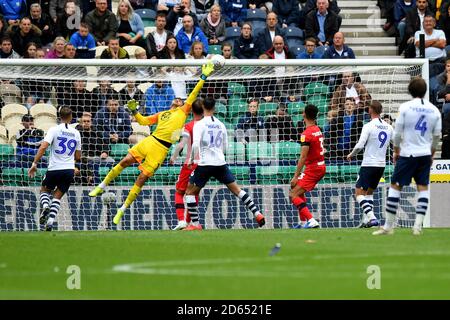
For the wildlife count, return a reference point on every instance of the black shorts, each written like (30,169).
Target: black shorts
(369,177)
(201,175)
(407,168)
(61,179)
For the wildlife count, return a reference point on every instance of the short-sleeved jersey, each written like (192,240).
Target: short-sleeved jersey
(417,123)
(312,137)
(64,141)
(169,124)
(374,139)
(211,139)
(188,134)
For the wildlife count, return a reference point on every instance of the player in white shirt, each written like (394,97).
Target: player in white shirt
(210,141)
(65,149)
(375,138)
(417,133)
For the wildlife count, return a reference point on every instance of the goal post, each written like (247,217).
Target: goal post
(263,148)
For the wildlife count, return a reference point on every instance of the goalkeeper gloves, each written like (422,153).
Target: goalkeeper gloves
(207,69)
(132,106)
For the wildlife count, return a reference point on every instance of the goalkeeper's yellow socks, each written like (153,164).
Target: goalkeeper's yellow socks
(132,195)
(111,175)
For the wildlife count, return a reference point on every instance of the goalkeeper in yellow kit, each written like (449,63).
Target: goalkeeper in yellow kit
(151,152)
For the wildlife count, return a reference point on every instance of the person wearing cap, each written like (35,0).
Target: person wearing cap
(28,141)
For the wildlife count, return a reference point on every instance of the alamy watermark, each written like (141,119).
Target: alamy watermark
(374,279)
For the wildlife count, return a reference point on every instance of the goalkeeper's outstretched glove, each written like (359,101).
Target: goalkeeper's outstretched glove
(207,69)
(133,106)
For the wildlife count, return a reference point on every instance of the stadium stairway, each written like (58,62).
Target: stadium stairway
(363,30)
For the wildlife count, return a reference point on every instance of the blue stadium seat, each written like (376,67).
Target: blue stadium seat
(257,17)
(321,50)
(231,34)
(294,37)
(296,51)
(148,16)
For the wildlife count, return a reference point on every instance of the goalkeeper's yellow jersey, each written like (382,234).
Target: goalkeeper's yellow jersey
(169,123)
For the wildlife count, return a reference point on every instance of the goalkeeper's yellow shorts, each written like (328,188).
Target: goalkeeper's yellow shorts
(150,154)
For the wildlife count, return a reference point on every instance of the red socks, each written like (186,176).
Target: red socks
(179,207)
(300,203)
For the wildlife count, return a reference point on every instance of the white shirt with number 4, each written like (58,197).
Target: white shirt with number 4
(374,139)
(64,141)
(210,141)
(417,123)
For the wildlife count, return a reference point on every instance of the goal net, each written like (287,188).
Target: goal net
(263,147)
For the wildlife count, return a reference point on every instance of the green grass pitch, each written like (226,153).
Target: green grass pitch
(225,264)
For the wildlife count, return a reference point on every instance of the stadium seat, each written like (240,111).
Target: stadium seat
(99,50)
(90,86)
(348,173)
(261,151)
(297,50)
(12,131)
(321,120)
(118,86)
(315,88)
(221,110)
(257,17)
(37,179)
(45,124)
(321,102)
(3,135)
(148,30)
(236,107)
(235,152)
(144,86)
(131,50)
(12,114)
(229,125)
(13,177)
(215,49)
(295,108)
(274,174)
(10,93)
(126,178)
(242,174)
(332,175)
(235,88)
(288,150)
(321,50)
(6,152)
(268,108)
(294,37)
(167,175)
(119,150)
(231,34)
(148,16)
(296,118)
(43,109)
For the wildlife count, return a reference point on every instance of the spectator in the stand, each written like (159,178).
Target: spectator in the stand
(131,28)
(57,7)
(158,97)
(248,127)
(213,25)
(351,89)
(3,26)
(131,91)
(13,10)
(264,38)
(84,42)
(197,51)
(167,5)
(280,126)
(57,50)
(445,148)
(202,7)
(66,22)
(258,4)
(75,96)
(95,148)
(171,50)
(103,92)
(443,89)
(22,34)
(28,141)
(322,24)
(227,51)
(435,43)
(189,34)
(234,11)
(114,51)
(114,121)
(30,51)
(40,53)
(89,5)
(6,49)
(143,4)
(279,50)
(400,10)
(102,23)
(245,47)
(175,18)
(310,50)
(287,12)
(156,40)
(69,51)
(339,50)
(332,4)
(414,22)
(444,23)
(43,22)
(344,131)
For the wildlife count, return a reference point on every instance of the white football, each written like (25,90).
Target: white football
(218,61)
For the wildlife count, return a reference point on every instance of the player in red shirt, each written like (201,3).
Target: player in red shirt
(312,158)
(186,170)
